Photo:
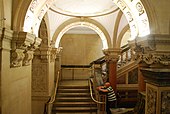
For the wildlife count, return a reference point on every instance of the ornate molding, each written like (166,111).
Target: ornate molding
(112,55)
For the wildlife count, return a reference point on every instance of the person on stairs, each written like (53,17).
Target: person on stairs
(111,96)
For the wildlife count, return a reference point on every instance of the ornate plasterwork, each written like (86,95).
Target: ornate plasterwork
(133,10)
(151,59)
(23,45)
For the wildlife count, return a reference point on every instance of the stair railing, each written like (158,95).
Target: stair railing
(127,55)
(101,102)
(49,104)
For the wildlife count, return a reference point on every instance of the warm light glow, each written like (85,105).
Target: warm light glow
(85,24)
(136,16)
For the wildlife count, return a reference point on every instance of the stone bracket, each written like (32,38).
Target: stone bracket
(23,45)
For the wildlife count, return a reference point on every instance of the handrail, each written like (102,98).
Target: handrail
(99,102)
(52,98)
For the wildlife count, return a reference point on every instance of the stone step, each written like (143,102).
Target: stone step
(74,109)
(73,99)
(74,104)
(73,87)
(73,94)
(73,91)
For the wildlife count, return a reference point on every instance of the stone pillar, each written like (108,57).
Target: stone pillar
(111,56)
(157,90)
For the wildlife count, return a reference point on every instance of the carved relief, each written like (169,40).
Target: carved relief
(151,101)
(28,58)
(140,8)
(33,5)
(165,102)
(121,4)
(129,16)
(17,57)
(162,59)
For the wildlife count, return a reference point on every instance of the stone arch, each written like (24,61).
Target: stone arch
(20,9)
(116,28)
(125,29)
(92,24)
(133,10)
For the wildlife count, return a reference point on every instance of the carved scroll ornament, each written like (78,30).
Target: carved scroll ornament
(162,59)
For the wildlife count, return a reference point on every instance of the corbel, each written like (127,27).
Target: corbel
(20,45)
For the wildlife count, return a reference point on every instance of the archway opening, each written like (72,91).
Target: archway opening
(82,24)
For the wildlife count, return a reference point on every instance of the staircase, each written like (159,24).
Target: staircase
(73,97)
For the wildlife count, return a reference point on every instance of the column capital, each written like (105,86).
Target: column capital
(112,54)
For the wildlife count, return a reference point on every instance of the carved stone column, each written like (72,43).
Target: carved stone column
(153,53)
(111,56)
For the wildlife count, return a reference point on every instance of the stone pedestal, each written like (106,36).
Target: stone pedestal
(157,90)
